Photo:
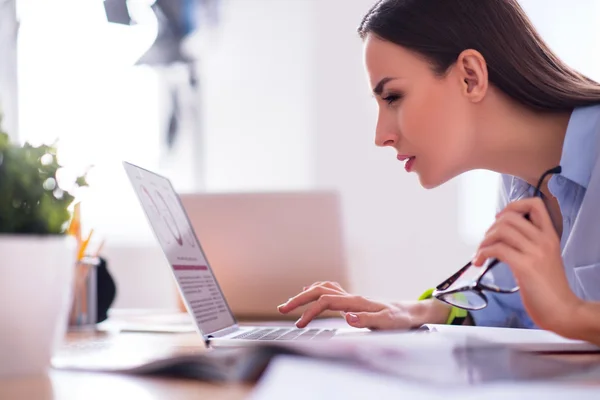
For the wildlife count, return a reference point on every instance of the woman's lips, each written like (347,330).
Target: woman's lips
(410,160)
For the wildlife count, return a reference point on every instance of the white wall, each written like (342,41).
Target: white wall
(257,89)
(572,32)
(8,67)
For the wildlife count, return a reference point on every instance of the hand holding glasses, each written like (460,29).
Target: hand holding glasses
(465,288)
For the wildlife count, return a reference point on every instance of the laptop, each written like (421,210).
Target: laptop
(297,238)
(196,282)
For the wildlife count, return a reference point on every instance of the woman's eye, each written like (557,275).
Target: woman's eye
(391,98)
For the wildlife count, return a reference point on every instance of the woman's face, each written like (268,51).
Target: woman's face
(425,117)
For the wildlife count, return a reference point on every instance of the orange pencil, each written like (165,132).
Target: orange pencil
(87,267)
(75,226)
(84,246)
(99,249)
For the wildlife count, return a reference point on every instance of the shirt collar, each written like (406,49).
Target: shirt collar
(579,148)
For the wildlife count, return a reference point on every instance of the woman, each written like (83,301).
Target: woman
(469,84)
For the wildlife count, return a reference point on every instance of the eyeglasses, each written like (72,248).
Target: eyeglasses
(465,288)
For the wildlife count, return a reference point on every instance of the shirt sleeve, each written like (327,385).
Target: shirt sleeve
(503,310)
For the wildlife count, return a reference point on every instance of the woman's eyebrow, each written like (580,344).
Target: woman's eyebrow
(380,86)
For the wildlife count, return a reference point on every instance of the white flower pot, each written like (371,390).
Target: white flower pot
(36,275)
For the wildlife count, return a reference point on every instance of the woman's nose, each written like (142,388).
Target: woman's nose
(386,130)
(385,139)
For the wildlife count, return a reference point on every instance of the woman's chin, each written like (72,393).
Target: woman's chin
(429,182)
(431,179)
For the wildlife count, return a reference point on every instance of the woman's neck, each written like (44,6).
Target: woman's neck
(521,142)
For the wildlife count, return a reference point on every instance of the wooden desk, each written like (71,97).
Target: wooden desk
(63,385)
(66,385)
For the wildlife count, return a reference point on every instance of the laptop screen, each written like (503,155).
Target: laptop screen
(174,232)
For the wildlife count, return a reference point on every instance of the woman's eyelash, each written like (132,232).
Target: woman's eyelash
(391,98)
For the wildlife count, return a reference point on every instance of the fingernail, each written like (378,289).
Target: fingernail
(352,318)
(298,322)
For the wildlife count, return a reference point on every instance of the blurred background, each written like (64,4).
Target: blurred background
(239,96)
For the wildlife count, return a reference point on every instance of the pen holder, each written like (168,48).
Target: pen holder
(84,309)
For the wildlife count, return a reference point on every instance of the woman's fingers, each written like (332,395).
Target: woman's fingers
(504,253)
(524,226)
(331,285)
(379,320)
(535,208)
(326,296)
(505,234)
(318,283)
(334,302)
(307,296)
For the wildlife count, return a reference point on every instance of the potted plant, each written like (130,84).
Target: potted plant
(37,256)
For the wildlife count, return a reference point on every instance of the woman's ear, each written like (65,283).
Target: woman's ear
(473,73)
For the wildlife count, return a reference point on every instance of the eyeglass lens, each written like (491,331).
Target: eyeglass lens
(468,299)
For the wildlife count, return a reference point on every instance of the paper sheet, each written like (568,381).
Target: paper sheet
(151,322)
(535,340)
(300,379)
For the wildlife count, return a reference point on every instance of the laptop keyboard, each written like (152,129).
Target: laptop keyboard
(286,334)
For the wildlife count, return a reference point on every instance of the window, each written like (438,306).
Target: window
(78,84)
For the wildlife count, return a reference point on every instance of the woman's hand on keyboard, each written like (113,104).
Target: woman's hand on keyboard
(362,312)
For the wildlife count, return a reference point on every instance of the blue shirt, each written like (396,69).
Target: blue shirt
(577,161)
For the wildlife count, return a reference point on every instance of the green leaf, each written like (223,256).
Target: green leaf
(29,204)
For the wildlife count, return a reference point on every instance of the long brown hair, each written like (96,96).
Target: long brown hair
(519,62)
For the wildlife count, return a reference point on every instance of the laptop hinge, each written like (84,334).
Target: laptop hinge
(223,332)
